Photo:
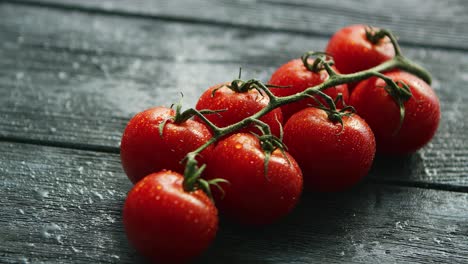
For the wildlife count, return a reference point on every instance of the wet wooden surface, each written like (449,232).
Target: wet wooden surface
(72,73)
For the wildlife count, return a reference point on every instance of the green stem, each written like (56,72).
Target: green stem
(414,68)
(405,64)
(374,36)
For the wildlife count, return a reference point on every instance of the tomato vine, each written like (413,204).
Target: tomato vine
(322,61)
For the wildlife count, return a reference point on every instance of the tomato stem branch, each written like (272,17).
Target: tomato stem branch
(376,35)
(322,62)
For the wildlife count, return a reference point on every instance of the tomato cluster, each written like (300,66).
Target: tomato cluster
(320,141)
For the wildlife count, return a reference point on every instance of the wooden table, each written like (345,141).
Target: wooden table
(72,73)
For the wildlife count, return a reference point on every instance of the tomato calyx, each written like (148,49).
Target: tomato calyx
(180,117)
(374,35)
(193,180)
(400,92)
(337,115)
(322,61)
(333,114)
(269,143)
(192,173)
(240,86)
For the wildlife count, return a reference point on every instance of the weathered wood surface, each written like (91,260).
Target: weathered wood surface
(64,205)
(77,83)
(427,23)
(73,72)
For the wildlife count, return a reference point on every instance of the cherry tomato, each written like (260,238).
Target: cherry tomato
(352,51)
(165,223)
(144,151)
(238,105)
(298,77)
(331,159)
(251,197)
(382,113)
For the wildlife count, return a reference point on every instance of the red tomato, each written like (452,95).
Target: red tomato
(238,106)
(165,223)
(298,77)
(353,52)
(331,159)
(144,151)
(251,197)
(382,113)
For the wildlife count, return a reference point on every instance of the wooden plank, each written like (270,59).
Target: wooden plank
(75,91)
(64,205)
(77,82)
(61,205)
(428,23)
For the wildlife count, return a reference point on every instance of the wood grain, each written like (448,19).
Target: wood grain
(72,73)
(76,83)
(64,205)
(428,23)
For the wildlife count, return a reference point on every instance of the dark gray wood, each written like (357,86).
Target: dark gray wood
(61,205)
(72,73)
(428,23)
(75,79)
(64,205)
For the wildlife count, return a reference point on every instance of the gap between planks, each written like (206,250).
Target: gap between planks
(116,150)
